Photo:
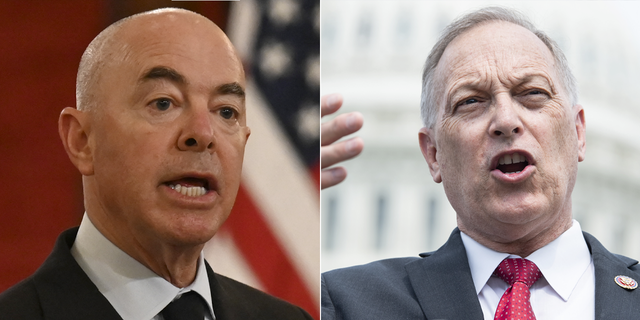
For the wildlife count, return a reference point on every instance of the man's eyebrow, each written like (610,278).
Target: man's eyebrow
(535,76)
(172,75)
(233,88)
(163,73)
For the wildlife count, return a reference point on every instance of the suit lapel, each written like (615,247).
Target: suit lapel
(226,303)
(443,284)
(65,291)
(612,301)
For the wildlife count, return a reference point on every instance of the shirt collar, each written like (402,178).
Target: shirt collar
(562,261)
(482,260)
(133,290)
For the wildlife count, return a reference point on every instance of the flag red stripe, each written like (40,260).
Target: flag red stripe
(314,172)
(265,255)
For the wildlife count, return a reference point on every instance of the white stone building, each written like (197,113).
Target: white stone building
(373,51)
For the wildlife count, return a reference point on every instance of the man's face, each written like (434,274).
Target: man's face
(507,141)
(169,131)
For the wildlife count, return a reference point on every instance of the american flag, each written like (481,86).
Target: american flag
(271,240)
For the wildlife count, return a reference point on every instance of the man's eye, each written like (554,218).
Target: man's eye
(227,113)
(163,104)
(468,101)
(536,92)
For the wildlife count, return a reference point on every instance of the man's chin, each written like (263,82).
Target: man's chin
(505,219)
(192,230)
(193,238)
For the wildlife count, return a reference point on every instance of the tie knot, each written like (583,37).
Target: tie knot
(189,306)
(518,270)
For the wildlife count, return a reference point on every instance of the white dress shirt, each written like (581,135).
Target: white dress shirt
(134,291)
(566,289)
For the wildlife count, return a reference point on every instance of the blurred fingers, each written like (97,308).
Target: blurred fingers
(331,177)
(342,125)
(330,103)
(341,151)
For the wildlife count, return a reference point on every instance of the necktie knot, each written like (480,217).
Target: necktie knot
(520,274)
(188,306)
(518,270)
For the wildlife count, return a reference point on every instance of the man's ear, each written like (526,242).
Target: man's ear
(581,129)
(429,149)
(73,126)
(248,133)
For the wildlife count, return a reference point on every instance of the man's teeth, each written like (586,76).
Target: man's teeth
(512,158)
(189,191)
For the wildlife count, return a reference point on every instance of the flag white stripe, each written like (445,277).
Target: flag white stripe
(282,188)
(272,173)
(225,258)
(243,22)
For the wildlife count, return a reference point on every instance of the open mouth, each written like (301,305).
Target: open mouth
(512,163)
(190,186)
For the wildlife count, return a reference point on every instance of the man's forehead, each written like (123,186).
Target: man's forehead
(185,53)
(167,18)
(495,44)
(181,43)
(166,26)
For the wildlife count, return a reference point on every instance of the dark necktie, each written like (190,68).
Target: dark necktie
(190,306)
(520,274)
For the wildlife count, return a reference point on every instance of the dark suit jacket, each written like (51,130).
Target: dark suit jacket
(59,289)
(439,286)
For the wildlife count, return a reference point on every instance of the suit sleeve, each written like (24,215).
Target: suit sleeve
(20,302)
(328,311)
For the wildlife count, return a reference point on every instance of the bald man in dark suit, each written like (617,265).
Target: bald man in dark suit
(158,135)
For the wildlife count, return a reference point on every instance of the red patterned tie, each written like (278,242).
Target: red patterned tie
(520,274)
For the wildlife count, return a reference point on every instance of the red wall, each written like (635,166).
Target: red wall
(40,193)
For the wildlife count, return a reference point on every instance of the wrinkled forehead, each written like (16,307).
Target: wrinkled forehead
(502,48)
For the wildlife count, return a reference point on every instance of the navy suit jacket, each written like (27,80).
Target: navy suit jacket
(439,286)
(60,290)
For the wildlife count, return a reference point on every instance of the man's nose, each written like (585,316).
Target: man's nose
(197,132)
(505,121)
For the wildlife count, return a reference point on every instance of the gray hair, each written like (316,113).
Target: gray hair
(428,101)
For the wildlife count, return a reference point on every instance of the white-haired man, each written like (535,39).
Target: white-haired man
(504,134)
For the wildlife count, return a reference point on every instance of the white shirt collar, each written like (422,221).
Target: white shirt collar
(562,261)
(133,290)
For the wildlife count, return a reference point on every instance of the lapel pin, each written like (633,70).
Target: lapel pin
(626,282)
